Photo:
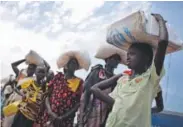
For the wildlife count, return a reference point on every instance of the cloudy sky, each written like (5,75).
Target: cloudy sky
(51,27)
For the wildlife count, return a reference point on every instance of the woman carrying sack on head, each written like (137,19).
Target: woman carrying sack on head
(93,112)
(65,90)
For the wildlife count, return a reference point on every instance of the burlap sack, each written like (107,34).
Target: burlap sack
(106,50)
(137,27)
(34,58)
(81,56)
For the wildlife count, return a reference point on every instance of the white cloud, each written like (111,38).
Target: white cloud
(22,4)
(81,10)
(20,41)
(16,49)
(56,27)
(47,14)
(90,31)
(23,17)
(6,14)
(36,4)
(14,11)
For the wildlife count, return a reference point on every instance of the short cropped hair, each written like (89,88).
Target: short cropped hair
(145,48)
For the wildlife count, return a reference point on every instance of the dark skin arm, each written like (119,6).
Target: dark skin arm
(159,103)
(15,66)
(52,114)
(87,102)
(4,87)
(10,82)
(72,111)
(162,45)
(97,89)
(47,66)
(88,84)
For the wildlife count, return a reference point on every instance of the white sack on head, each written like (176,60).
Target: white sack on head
(107,50)
(81,56)
(34,58)
(139,27)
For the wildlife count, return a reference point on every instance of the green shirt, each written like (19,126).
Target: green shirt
(133,100)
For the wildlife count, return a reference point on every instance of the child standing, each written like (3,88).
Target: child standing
(133,95)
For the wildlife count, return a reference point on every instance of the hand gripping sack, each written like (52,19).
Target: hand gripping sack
(107,50)
(139,28)
(34,58)
(81,56)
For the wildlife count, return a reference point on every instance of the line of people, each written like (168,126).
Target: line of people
(102,99)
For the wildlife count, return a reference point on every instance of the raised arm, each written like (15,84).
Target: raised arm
(159,103)
(15,66)
(10,80)
(5,85)
(46,65)
(97,89)
(162,45)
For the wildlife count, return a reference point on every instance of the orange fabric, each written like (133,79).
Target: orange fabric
(128,72)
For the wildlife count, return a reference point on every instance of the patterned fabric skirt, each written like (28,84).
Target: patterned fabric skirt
(97,115)
(45,119)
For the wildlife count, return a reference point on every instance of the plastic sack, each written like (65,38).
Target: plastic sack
(11,109)
(138,27)
(33,58)
(9,78)
(81,56)
(106,50)
(8,90)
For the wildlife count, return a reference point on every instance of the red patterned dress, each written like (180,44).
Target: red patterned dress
(64,96)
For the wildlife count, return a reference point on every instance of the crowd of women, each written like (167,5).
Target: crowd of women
(103,99)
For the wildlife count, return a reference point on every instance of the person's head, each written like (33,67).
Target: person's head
(72,66)
(50,75)
(31,70)
(113,61)
(40,73)
(139,56)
